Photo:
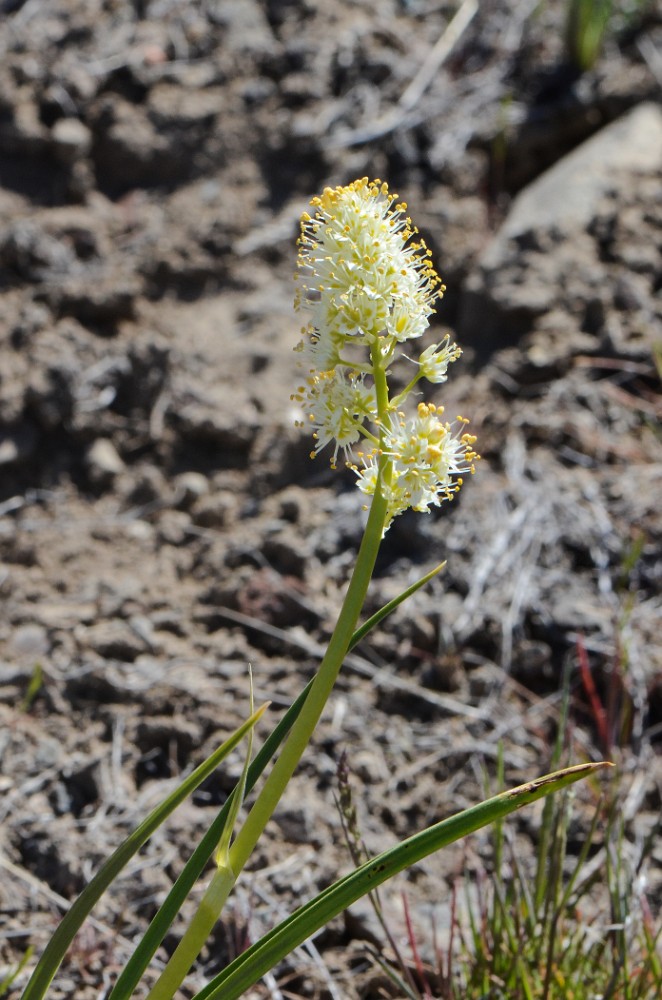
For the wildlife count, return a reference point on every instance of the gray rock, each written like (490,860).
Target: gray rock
(32,253)
(547,254)
(17,445)
(114,640)
(23,134)
(95,297)
(567,196)
(232,433)
(189,487)
(30,642)
(71,139)
(103,462)
(213,510)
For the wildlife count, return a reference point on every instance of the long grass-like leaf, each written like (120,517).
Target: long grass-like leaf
(215,896)
(305,921)
(380,615)
(158,928)
(64,934)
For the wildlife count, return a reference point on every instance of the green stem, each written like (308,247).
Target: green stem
(322,686)
(405,392)
(381,385)
(223,879)
(196,934)
(303,728)
(298,739)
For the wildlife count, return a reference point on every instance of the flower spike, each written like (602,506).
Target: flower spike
(368,285)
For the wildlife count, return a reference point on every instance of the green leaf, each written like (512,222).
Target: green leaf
(215,896)
(72,921)
(245,970)
(145,951)
(34,687)
(657,357)
(236,799)
(380,615)
(158,928)
(12,974)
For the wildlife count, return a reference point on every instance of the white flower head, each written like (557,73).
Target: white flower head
(426,462)
(361,271)
(319,349)
(368,285)
(434,361)
(338,406)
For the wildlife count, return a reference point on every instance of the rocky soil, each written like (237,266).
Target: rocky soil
(161,524)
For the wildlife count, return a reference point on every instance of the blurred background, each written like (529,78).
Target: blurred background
(161,524)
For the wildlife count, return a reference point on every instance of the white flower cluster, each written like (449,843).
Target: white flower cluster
(424,457)
(369,286)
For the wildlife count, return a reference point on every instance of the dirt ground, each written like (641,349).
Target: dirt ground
(161,525)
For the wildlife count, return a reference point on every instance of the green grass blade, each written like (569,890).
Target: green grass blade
(158,928)
(237,797)
(64,934)
(392,975)
(544,841)
(12,974)
(72,921)
(269,950)
(383,613)
(214,898)
(652,942)
(135,967)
